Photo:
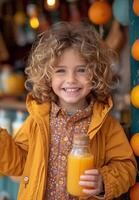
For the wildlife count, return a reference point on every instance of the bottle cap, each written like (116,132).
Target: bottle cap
(79,139)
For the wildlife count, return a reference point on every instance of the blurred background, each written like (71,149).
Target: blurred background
(22,20)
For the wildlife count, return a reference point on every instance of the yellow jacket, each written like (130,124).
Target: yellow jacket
(27,153)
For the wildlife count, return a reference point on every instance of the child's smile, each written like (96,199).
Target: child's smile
(72,91)
(71,94)
(70,80)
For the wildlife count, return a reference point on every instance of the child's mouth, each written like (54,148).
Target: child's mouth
(71,90)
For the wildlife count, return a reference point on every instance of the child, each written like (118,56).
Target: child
(70,80)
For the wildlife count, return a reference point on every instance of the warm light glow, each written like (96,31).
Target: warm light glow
(51,2)
(34,22)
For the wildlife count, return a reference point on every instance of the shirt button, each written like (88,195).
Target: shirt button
(26,179)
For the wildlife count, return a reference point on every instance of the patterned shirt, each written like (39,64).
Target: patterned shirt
(62,129)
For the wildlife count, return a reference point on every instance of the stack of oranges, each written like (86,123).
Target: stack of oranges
(134,191)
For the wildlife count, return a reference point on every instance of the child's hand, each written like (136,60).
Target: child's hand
(92,182)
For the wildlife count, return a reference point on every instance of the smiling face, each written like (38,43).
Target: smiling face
(70,80)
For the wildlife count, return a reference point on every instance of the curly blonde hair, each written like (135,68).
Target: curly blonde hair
(49,47)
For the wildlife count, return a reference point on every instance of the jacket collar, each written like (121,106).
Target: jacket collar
(100,112)
(37,109)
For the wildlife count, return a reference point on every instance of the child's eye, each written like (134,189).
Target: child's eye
(82,70)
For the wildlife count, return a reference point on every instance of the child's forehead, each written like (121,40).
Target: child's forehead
(72,52)
(71,56)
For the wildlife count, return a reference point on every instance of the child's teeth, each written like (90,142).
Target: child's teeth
(71,90)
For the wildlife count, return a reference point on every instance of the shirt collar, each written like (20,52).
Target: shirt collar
(56,110)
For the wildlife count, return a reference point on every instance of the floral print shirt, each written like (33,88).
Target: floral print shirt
(62,127)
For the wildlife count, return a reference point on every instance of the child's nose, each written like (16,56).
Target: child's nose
(71,77)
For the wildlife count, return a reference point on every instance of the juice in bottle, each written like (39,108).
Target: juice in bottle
(79,160)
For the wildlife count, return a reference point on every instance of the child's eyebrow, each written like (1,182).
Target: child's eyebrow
(81,65)
(64,66)
(60,66)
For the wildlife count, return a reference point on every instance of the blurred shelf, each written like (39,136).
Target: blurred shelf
(12,104)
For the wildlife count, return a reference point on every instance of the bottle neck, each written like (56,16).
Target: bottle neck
(80,150)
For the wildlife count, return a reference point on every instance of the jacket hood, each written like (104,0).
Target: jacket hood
(100,112)
(35,108)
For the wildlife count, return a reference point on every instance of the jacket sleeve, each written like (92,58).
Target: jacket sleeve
(120,168)
(13,151)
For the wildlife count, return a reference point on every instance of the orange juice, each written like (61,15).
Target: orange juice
(76,167)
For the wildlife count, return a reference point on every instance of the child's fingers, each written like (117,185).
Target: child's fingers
(88,178)
(91,192)
(92,172)
(90,184)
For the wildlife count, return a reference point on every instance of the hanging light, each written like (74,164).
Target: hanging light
(33,16)
(34,22)
(32,10)
(51,4)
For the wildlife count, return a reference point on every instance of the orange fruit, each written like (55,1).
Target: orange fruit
(135,50)
(134,192)
(134,142)
(100,12)
(136,7)
(134,96)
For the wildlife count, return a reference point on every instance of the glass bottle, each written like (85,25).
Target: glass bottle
(79,160)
